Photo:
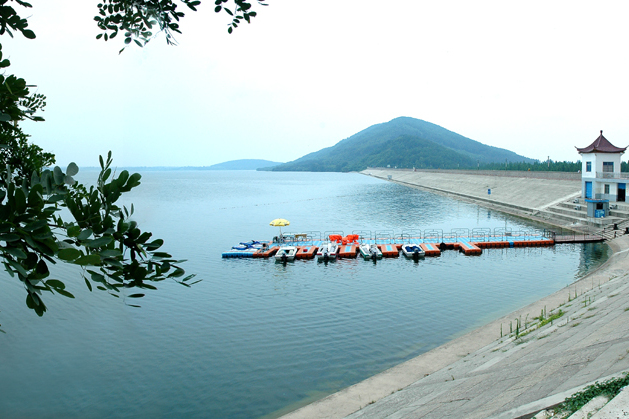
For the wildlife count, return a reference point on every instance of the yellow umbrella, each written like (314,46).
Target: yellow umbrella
(279,222)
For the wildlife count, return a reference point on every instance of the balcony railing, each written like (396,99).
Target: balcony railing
(612,175)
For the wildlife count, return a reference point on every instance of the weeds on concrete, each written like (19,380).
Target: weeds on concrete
(609,388)
(550,319)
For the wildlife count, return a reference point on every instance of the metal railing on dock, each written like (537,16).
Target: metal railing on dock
(571,236)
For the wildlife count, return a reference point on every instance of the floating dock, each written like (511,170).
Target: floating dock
(390,250)
(433,242)
(348,251)
(306,252)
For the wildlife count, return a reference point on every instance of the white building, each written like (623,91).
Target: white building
(600,173)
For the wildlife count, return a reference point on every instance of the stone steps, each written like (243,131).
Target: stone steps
(573,214)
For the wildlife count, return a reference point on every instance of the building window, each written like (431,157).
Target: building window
(608,167)
(606,189)
(588,166)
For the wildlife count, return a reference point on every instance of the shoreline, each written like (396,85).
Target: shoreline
(356,397)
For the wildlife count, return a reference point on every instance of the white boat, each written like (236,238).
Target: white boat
(370,251)
(286,254)
(413,251)
(328,252)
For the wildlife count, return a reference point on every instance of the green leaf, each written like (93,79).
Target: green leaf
(65,293)
(96,277)
(56,284)
(58,175)
(85,234)
(9,237)
(135,296)
(20,201)
(177,273)
(17,267)
(35,225)
(93,260)
(68,254)
(28,34)
(134,180)
(101,241)
(108,253)
(154,245)
(72,169)
(89,286)
(14,251)
(74,231)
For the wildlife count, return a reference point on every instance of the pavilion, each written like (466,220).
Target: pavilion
(601,178)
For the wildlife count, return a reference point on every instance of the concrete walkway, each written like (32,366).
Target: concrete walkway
(481,375)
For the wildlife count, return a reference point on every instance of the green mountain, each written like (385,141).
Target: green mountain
(402,142)
(244,164)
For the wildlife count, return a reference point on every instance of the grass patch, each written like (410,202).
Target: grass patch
(609,388)
(575,324)
(550,319)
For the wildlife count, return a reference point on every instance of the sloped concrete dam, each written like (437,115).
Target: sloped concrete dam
(524,192)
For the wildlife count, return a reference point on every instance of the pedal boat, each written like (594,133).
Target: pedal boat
(286,254)
(370,251)
(328,252)
(413,251)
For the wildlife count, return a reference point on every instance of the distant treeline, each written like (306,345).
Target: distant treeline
(546,166)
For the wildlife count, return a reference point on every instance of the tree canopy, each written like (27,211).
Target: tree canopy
(114,253)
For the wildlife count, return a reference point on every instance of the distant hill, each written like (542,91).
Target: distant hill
(402,142)
(244,164)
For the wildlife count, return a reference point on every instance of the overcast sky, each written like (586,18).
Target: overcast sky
(535,77)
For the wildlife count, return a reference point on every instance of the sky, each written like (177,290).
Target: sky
(537,78)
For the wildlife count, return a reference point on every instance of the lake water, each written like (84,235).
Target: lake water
(255,338)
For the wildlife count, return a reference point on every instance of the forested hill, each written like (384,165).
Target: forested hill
(402,142)
(245,164)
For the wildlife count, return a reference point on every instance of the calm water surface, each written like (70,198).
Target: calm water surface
(256,338)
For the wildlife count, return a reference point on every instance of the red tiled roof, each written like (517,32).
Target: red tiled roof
(601,145)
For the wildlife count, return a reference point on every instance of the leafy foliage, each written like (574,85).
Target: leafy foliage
(100,236)
(138,19)
(609,388)
(10,21)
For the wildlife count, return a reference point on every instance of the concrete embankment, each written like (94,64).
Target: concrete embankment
(491,372)
(520,193)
